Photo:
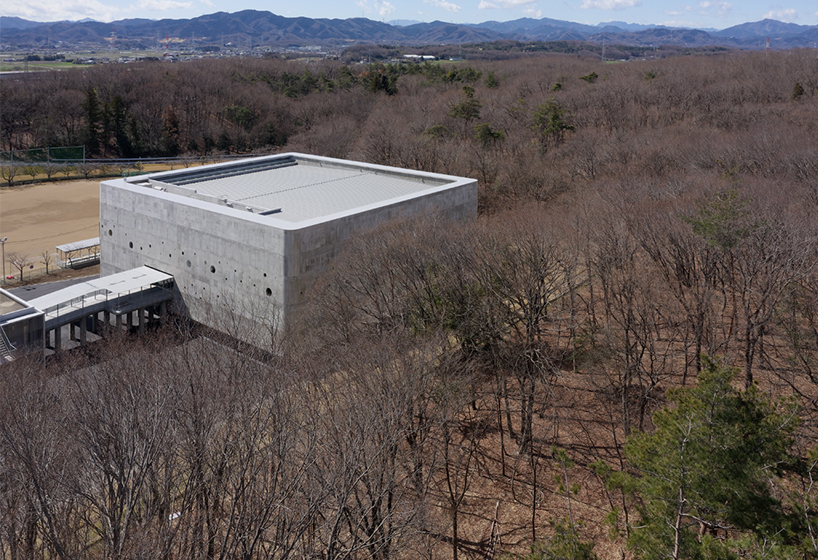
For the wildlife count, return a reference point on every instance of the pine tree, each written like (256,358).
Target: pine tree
(703,483)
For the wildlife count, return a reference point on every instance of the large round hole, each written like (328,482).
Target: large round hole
(110,232)
(269,292)
(213,269)
(130,244)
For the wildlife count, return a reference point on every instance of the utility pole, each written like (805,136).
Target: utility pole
(3,241)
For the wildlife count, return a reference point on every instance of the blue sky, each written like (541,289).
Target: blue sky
(717,14)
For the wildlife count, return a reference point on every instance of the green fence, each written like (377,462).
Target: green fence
(55,154)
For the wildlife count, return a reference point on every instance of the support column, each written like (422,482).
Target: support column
(71,330)
(57,339)
(163,311)
(129,320)
(118,321)
(83,330)
(106,318)
(141,313)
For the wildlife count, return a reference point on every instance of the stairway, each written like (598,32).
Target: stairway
(6,347)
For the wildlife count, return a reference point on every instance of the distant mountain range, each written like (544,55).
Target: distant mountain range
(251,27)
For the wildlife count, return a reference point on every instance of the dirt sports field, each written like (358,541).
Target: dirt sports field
(37,218)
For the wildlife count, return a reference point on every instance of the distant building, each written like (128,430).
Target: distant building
(248,239)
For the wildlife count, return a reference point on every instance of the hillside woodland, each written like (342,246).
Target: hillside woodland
(617,359)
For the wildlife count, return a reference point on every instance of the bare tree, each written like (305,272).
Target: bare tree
(18,260)
(46,257)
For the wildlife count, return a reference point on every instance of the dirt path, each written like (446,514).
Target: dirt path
(38,217)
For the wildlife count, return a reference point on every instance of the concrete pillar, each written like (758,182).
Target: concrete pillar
(71,330)
(83,330)
(142,321)
(92,323)
(118,321)
(106,318)
(163,310)
(129,320)
(57,339)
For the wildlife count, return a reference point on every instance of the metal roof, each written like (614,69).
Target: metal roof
(121,283)
(295,188)
(10,303)
(78,245)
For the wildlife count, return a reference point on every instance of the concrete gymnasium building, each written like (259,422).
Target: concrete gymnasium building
(248,239)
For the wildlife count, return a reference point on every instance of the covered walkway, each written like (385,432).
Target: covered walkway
(132,298)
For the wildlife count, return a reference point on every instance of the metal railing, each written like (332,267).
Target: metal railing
(77,302)
(7,346)
(89,299)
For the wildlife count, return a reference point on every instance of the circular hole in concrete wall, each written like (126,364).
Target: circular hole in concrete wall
(265,275)
(110,232)
(269,292)
(188,264)
(130,244)
(213,269)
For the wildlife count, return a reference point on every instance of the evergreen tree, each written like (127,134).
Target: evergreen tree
(704,473)
(549,121)
(93,121)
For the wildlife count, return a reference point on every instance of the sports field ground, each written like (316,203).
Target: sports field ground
(37,218)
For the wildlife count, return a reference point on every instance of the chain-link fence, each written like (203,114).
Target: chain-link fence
(63,163)
(57,154)
(32,267)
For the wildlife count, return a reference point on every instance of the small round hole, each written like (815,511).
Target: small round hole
(269,292)
(110,232)
(130,244)
(188,264)
(213,269)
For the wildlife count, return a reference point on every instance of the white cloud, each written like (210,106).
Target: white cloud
(448,6)
(163,5)
(47,10)
(207,3)
(486,5)
(609,4)
(532,11)
(384,8)
(783,15)
(720,7)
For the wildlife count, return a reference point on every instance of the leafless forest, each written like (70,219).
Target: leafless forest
(546,376)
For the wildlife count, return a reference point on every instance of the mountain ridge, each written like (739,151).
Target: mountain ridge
(255,27)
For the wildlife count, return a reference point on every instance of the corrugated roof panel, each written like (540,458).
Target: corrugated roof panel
(309,191)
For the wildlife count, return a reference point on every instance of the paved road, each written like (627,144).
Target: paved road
(34,291)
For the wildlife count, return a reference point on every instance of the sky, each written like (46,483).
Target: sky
(717,14)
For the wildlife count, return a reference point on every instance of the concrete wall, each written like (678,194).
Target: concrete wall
(230,264)
(219,259)
(311,248)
